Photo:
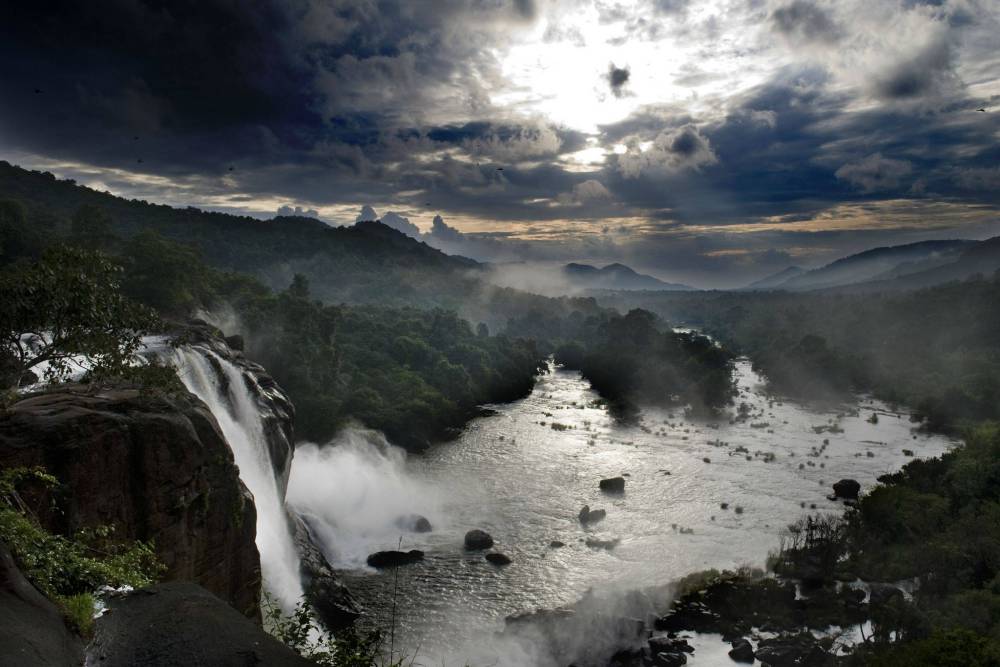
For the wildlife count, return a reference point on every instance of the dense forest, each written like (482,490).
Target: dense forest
(345,346)
(936,350)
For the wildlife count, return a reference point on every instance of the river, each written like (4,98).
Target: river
(523,473)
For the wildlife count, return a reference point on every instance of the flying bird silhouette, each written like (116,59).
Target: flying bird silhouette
(983,110)
(38,91)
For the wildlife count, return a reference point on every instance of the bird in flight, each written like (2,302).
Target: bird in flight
(983,110)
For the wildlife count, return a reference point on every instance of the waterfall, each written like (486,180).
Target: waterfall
(221,385)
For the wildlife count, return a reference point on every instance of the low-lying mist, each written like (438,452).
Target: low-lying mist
(356,496)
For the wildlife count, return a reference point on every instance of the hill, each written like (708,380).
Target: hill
(615,277)
(877,263)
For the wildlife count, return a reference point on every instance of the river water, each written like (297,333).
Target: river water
(523,474)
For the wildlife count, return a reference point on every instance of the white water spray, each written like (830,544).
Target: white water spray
(355,491)
(238,414)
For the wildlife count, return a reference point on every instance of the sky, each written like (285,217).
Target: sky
(707,142)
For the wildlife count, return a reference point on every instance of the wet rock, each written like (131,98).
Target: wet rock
(847,489)
(498,559)
(883,594)
(385,559)
(154,465)
(414,523)
(331,600)
(28,378)
(613,485)
(477,540)
(588,515)
(667,644)
(742,651)
(790,650)
(607,545)
(32,631)
(235,342)
(181,624)
(666,659)
(556,544)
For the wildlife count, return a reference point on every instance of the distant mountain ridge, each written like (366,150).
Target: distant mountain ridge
(616,277)
(907,266)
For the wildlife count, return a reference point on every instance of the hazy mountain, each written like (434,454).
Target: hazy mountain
(774,280)
(979,258)
(875,263)
(615,277)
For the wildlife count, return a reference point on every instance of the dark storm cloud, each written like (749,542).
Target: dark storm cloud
(929,71)
(617,78)
(804,20)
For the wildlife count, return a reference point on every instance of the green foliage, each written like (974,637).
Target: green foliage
(165,275)
(300,632)
(936,349)
(630,361)
(945,648)
(67,304)
(91,228)
(63,567)
(79,611)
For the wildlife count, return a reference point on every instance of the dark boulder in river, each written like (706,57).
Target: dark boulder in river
(182,624)
(742,651)
(588,515)
(847,488)
(414,523)
(477,540)
(498,559)
(613,485)
(384,559)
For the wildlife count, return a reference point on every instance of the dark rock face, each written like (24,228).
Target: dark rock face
(847,489)
(477,540)
(330,599)
(32,631)
(556,544)
(498,559)
(613,485)
(384,559)
(607,545)
(235,342)
(182,624)
(742,651)
(588,515)
(154,466)
(414,523)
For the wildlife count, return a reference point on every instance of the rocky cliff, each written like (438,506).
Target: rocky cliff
(156,467)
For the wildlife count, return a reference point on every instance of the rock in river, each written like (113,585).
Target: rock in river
(847,488)
(588,515)
(414,523)
(477,540)
(384,559)
(613,485)
(498,559)
(742,651)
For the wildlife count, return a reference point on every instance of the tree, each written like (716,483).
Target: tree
(67,310)
(91,227)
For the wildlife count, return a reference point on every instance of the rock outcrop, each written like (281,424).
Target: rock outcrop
(32,630)
(333,603)
(154,466)
(182,624)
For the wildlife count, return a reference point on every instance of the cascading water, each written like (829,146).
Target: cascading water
(238,414)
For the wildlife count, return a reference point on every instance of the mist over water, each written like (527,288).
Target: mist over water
(355,494)
(524,481)
(238,415)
